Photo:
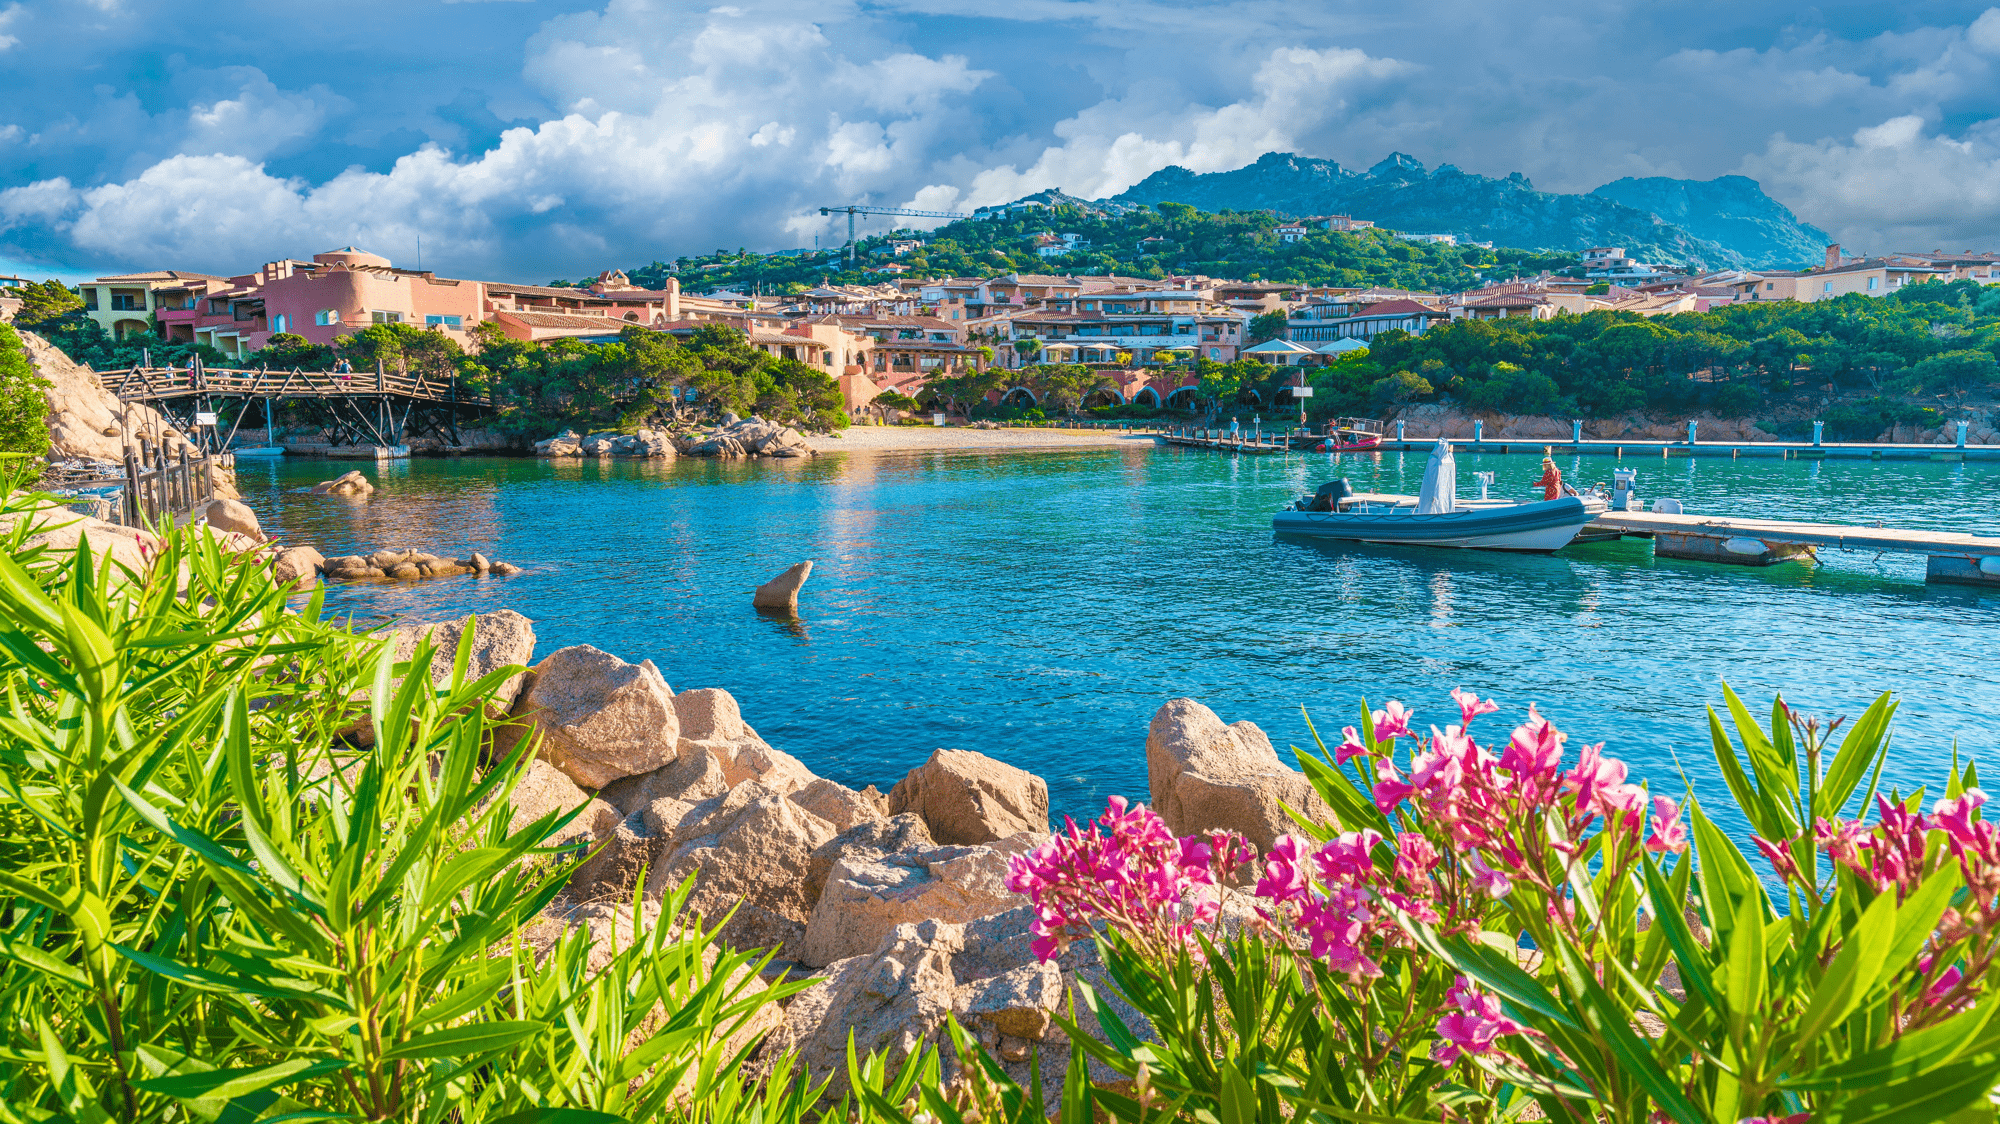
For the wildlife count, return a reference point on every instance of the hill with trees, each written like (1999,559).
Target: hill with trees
(1149,242)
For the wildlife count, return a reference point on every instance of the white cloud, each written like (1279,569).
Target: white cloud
(1892,186)
(259,119)
(8,18)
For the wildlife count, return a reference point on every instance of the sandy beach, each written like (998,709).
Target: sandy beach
(894,438)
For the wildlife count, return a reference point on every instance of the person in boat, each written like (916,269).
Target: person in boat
(1551,482)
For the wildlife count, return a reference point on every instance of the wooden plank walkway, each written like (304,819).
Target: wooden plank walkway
(152,384)
(1877,539)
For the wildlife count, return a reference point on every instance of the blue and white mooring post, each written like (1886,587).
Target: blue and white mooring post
(1478,432)
(1399,429)
(1819,428)
(1961,435)
(1691,428)
(1576,431)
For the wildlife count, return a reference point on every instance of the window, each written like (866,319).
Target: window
(1770,286)
(281,323)
(1826,287)
(127,302)
(216,307)
(1215,353)
(326,316)
(377,316)
(90,300)
(459,321)
(1872,282)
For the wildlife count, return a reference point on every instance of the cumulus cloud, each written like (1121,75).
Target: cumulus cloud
(643,128)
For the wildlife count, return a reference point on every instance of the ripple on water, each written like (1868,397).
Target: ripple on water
(1040,606)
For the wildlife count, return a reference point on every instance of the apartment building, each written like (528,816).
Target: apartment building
(127,304)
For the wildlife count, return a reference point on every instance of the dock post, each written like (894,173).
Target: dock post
(1693,423)
(1961,435)
(1399,429)
(1478,432)
(1576,431)
(1819,431)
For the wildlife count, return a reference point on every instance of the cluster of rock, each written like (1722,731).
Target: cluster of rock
(410,565)
(749,437)
(644,443)
(346,484)
(896,904)
(1435,420)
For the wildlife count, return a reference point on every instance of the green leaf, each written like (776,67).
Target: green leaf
(559,1116)
(1927,1098)
(228,1084)
(1612,1028)
(1908,1056)
(1854,970)
(1859,749)
(467,1041)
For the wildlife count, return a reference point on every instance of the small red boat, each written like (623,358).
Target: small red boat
(1348,435)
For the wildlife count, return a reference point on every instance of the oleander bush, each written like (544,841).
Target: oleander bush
(255,868)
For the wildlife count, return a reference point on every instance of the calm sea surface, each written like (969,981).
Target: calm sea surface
(1040,606)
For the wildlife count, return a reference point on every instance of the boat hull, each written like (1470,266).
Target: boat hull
(1534,527)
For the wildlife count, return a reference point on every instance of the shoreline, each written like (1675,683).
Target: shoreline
(926,438)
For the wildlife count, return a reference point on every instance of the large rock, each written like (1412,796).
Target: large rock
(782,592)
(710,722)
(1209,776)
(234,516)
(690,778)
(748,851)
(894,1003)
(600,718)
(543,789)
(870,840)
(968,797)
(840,805)
(866,897)
(350,483)
(298,567)
(500,639)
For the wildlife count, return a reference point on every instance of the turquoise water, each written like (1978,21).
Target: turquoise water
(1040,606)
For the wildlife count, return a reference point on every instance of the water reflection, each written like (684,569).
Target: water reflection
(1040,606)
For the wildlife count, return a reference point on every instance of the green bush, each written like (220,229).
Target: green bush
(24,403)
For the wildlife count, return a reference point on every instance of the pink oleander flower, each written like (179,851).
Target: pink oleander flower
(1392,721)
(1780,858)
(1485,879)
(1127,870)
(1390,788)
(1971,840)
(1669,835)
(1351,746)
(1473,1027)
(1795,1118)
(1471,706)
(1286,878)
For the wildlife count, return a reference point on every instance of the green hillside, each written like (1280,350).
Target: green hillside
(1241,245)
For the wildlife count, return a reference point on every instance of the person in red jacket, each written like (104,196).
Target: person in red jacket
(1551,482)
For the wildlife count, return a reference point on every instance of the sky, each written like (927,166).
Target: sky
(530,139)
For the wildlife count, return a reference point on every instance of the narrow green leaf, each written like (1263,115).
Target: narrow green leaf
(467,1041)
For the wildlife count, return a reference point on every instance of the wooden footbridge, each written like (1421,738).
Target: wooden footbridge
(379,407)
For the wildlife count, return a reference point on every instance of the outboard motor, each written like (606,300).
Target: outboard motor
(1331,496)
(1624,482)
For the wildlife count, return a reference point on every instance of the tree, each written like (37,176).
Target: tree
(1953,372)
(1066,385)
(1267,326)
(24,403)
(1028,349)
(1401,387)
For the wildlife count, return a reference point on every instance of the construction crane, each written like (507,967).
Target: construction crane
(850,212)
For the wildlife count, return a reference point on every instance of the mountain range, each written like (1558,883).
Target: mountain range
(1697,224)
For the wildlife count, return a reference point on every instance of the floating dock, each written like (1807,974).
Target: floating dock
(1627,449)
(1952,558)
(1255,443)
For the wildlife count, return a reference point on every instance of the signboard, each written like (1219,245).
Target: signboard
(937,419)
(1301,391)
(204,419)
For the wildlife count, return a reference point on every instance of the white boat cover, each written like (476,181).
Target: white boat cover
(1440,492)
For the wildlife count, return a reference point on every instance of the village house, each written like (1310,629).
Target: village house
(127,304)
(1609,263)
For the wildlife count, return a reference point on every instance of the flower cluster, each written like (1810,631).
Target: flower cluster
(1337,894)
(1487,805)
(1471,1028)
(1127,869)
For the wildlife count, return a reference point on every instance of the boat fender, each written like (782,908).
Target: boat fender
(1742,545)
(1990,565)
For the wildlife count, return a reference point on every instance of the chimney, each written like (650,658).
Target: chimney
(1833,256)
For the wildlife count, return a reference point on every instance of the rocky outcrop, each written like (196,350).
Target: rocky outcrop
(544,789)
(411,565)
(750,437)
(865,897)
(1208,776)
(840,805)
(710,722)
(782,592)
(225,514)
(346,484)
(502,638)
(1435,420)
(599,717)
(870,840)
(644,443)
(967,797)
(88,422)
(747,851)
(298,567)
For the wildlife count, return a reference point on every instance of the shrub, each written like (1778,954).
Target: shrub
(24,403)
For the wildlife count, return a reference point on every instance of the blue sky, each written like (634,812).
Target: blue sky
(528,139)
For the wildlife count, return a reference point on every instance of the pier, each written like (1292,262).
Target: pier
(1238,442)
(1951,557)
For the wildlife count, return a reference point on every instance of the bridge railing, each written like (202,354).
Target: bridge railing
(147,383)
(159,484)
